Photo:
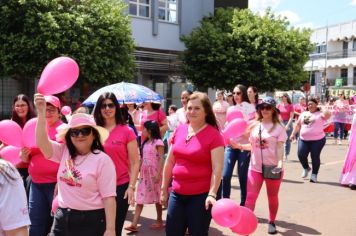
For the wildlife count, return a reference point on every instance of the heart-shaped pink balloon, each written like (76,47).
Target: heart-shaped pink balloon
(28,133)
(58,76)
(11,154)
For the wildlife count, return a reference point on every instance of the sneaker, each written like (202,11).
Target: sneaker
(313,178)
(339,142)
(305,172)
(272,228)
(352,186)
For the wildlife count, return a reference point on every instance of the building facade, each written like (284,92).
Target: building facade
(332,66)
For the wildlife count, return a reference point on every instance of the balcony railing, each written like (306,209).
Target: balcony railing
(334,55)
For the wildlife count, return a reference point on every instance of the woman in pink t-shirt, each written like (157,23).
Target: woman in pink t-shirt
(86,175)
(310,125)
(122,148)
(153,111)
(220,107)
(43,173)
(267,136)
(195,162)
(286,112)
(182,118)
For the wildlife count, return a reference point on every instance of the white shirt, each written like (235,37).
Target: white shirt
(13,202)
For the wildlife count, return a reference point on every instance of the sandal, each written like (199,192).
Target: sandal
(157,226)
(131,228)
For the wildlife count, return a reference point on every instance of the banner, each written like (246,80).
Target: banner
(340,114)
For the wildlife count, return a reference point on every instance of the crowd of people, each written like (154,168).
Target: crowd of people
(97,165)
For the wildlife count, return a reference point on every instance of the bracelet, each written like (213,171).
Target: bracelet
(132,186)
(210,195)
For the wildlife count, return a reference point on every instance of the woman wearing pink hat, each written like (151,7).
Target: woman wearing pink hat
(86,175)
(43,173)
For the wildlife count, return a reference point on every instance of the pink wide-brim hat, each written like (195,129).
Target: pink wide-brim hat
(54,101)
(81,119)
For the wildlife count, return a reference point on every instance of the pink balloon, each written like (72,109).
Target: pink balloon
(66,110)
(58,76)
(11,154)
(234,114)
(247,223)
(55,205)
(28,133)
(234,129)
(11,133)
(225,212)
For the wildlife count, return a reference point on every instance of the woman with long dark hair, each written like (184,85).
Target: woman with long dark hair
(286,112)
(121,146)
(86,175)
(234,154)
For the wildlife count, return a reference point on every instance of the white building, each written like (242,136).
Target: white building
(335,55)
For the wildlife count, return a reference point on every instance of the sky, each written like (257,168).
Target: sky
(309,13)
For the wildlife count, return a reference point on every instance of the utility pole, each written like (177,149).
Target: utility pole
(325,80)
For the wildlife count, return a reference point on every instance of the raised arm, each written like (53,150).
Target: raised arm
(42,140)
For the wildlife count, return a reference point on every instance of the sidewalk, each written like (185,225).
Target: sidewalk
(324,208)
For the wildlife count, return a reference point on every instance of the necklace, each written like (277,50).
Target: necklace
(192,133)
(84,157)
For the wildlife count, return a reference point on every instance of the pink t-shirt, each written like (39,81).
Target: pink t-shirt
(182,117)
(83,185)
(299,108)
(192,170)
(285,110)
(41,169)
(312,126)
(116,147)
(270,141)
(158,116)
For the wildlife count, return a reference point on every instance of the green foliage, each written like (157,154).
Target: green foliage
(96,33)
(236,46)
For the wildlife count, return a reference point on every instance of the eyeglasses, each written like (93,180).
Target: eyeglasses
(266,107)
(107,105)
(21,106)
(84,131)
(236,93)
(51,110)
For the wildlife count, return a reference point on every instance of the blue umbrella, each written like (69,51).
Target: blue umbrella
(126,93)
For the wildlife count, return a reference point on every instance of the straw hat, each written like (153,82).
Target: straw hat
(81,119)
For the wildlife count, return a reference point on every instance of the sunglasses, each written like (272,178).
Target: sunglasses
(84,131)
(107,105)
(236,93)
(266,107)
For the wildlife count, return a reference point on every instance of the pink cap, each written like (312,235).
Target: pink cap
(54,101)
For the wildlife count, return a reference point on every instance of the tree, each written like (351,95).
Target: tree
(238,47)
(96,33)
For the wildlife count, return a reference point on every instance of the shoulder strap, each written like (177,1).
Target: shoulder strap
(260,134)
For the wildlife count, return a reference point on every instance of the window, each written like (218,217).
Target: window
(140,8)
(343,73)
(354,45)
(354,79)
(321,48)
(167,10)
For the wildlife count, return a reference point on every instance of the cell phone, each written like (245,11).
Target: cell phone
(276,170)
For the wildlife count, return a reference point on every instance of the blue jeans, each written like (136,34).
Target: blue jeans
(243,162)
(287,143)
(339,129)
(122,205)
(314,148)
(187,211)
(40,204)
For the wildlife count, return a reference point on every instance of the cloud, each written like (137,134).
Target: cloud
(290,15)
(259,6)
(353,2)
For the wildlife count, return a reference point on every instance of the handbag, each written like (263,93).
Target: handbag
(267,169)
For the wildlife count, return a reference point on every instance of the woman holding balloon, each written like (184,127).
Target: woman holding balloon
(267,137)
(22,111)
(195,162)
(44,174)
(234,153)
(122,148)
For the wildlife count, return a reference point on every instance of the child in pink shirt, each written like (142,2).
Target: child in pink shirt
(148,189)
